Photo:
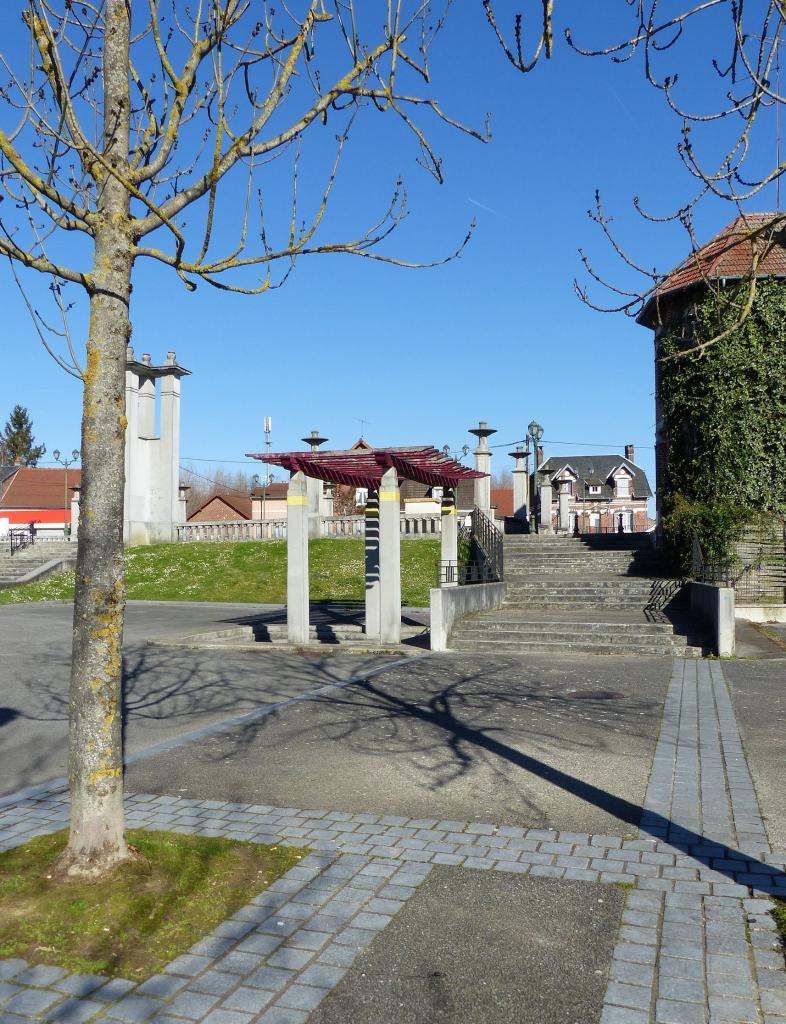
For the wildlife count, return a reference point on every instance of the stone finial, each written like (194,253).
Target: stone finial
(481,432)
(129,354)
(171,358)
(314,440)
(146,358)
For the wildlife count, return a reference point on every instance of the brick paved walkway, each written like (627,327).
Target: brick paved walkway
(696,944)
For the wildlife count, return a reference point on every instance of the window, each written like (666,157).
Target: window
(361,495)
(436,493)
(594,488)
(623,487)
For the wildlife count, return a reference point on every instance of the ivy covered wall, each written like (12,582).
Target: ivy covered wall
(724,413)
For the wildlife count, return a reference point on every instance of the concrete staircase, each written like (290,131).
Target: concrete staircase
(601,594)
(34,562)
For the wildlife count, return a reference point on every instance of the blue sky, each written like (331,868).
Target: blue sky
(421,355)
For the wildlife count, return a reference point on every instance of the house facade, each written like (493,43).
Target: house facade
(605,493)
(262,503)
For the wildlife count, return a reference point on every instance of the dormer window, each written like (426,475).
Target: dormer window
(594,488)
(623,487)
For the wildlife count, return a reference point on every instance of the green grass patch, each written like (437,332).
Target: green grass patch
(143,915)
(248,571)
(779,913)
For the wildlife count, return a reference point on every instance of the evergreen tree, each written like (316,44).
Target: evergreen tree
(17,444)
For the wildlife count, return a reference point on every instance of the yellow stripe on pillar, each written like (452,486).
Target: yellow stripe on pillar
(389,495)
(297,499)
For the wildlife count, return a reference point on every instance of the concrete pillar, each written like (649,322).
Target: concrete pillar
(75,495)
(182,503)
(297,560)
(390,557)
(147,402)
(373,606)
(256,506)
(545,505)
(166,479)
(449,543)
(483,464)
(564,506)
(314,487)
(520,484)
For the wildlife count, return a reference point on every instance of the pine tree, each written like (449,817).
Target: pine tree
(17,444)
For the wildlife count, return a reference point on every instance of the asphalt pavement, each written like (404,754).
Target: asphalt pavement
(477,946)
(560,742)
(167,692)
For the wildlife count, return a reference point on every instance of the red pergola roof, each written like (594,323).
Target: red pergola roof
(360,468)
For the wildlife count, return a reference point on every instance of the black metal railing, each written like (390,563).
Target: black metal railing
(756,570)
(20,539)
(480,554)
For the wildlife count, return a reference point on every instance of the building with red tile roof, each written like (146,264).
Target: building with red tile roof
(33,495)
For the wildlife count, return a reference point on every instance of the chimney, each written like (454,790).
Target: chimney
(630,451)
(540,456)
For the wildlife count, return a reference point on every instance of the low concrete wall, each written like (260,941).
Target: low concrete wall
(451,603)
(715,605)
(761,612)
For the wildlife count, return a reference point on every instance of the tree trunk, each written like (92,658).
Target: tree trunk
(96,842)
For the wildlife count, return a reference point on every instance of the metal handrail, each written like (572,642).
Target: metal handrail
(486,551)
(21,539)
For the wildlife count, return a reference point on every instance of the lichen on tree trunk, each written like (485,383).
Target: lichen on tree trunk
(96,841)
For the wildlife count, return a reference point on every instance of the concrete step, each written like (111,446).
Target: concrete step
(629,647)
(485,626)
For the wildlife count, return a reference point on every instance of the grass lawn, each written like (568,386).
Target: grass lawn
(780,919)
(146,913)
(252,571)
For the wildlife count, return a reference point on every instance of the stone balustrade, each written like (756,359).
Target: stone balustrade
(418,525)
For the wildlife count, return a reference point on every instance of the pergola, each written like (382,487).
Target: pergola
(379,471)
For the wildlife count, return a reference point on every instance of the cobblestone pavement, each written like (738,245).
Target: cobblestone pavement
(696,944)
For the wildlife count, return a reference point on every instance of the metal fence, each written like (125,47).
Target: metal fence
(756,570)
(480,553)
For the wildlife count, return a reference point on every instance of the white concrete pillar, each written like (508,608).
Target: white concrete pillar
(390,557)
(314,501)
(449,542)
(545,505)
(182,503)
(564,506)
(75,494)
(373,625)
(147,402)
(483,465)
(520,484)
(297,560)
(256,506)
(167,473)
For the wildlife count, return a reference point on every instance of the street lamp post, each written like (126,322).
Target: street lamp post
(535,431)
(66,462)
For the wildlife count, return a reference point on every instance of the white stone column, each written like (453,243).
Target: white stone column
(483,465)
(167,473)
(449,544)
(256,506)
(390,557)
(545,505)
(297,560)
(564,506)
(373,625)
(182,502)
(75,494)
(314,502)
(520,485)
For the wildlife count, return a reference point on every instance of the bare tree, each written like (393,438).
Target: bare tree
(728,43)
(126,118)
